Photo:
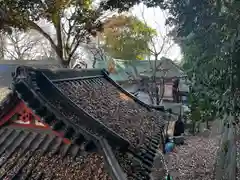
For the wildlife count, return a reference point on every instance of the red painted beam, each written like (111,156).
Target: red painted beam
(18,109)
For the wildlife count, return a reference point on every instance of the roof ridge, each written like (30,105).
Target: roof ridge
(29,95)
(27,84)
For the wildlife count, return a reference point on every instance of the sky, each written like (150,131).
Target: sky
(155,18)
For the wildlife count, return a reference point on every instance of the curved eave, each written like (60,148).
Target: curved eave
(73,132)
(26,84)
(8,103)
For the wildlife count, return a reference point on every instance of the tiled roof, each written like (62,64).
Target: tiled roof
(45,92)
(82,91)
(26,154)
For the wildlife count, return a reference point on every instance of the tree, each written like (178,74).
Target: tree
(208,32)
(47,51)
(126,37)
(125,5)
(209,35)
(21,46)
(88,55)
(98,53)
(159,46)
(73,21)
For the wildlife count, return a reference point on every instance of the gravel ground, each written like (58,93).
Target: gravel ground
(194,160)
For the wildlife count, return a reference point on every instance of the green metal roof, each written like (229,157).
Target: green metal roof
(135,68)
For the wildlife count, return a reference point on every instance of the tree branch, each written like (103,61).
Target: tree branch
(10,53)
(70,28)
(42,32)
(73,50)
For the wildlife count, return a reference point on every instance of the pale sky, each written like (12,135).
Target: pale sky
(155,18)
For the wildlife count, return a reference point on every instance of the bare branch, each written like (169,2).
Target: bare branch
(20,46)
(46,35)
(159,46)
(74,47)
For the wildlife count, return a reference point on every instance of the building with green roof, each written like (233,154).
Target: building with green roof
(130,73)
(136,75)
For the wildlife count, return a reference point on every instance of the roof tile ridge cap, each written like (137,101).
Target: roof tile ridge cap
(82,72)
(111,160)
(100,70)
(69,69)
(56,114)
(110,130)
(159,163)
(17,71)
(119,87)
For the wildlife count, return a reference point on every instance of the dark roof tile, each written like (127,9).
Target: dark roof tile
(62,112)
(29,155)
(97,96)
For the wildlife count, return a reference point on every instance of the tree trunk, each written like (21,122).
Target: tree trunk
(157,94)
(94,62)
(207,123)
(60,42)
(193,127)
(162,91)
(48,37)
(2,44)
(151,96)
(154,81)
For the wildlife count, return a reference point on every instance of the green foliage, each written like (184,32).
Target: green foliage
(19,13)
(125,5)
(126,37)
(208,32)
